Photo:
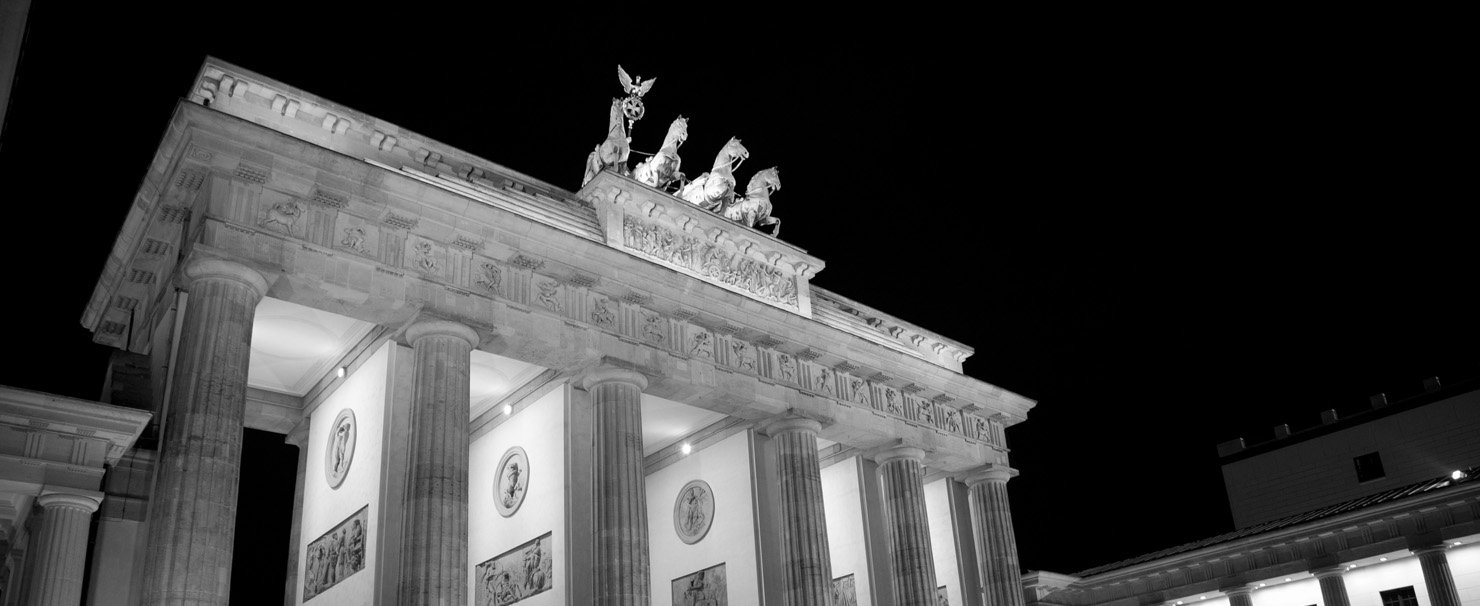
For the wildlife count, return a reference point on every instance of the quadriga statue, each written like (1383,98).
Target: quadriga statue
(661,169)
(754,210)
(614,150)
(715,190)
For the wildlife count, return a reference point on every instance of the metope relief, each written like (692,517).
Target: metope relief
(354,234)
(654,327)
(786,368)
(548,295)
(703,588)
(892,403)
(512,482)
(950,419)
(335,555)
(602,313)
(742,355)
(339,452)
(844,591)
(701,344)
(710,261)
(490,278)
(857,390)
(516,574)
(693,511)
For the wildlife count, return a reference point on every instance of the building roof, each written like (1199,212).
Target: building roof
(1372,500)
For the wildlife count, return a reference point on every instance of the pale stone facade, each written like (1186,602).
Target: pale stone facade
(633,335)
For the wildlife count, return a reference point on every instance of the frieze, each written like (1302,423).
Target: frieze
(711,261)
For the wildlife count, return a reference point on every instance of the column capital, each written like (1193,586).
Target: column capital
(207,268)
(902,451)
(1430,548)
(441,328)
(794,420)
(1322,572)
(608,374)
(1237,590)
(991,472)
(86,500)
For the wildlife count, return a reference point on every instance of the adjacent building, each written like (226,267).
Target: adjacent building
(1379,509)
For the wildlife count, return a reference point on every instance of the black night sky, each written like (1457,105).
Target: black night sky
(1170,230)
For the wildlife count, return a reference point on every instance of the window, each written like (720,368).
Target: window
(1402,596)
(1369,467)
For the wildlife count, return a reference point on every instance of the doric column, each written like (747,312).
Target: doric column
(1436,574)
(434,567)
(1239,596)
(299,438)
(903,473)
(996,544)
(621,488)
(66,519)
(1333,586)
(192,511)
(806,561)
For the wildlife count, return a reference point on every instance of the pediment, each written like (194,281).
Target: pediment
(671,232)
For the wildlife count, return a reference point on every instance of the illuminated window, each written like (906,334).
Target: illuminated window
(1402,596)
(1369,467)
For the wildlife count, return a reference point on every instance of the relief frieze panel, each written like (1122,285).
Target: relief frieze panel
(711,261)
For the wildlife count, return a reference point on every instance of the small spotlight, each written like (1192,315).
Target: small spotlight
(1261,585)
(343,370)
(1382,559)
(1458,475)
(508,409)
(1456,543)
(686,448)
(1287,579)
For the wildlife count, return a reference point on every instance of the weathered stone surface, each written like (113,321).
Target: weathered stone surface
(1436,574)
(62,554)
(996,544)
(622,565)
(806,563)
(434,568)
(909,527)
(192,514)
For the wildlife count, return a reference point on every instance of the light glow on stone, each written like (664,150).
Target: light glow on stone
(508,409)
(341,372)
(1457,475)
(686,448)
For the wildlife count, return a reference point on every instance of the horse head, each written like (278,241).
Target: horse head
(766,181)
(730,156)
(678,132)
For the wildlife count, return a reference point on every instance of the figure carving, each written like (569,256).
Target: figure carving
(549,295)
(754,210)
(602,313)
(715,190)
(952,421)
(980,425)
(744,355)
(891,402)
(825,382)
(283,215)
(710,261)
(613,152)
(859,389)
(653,328)
(425,255)
(927,412)
(703,345)
(354,239)
(788,368)
(661,170)
(632,106)
(492,278)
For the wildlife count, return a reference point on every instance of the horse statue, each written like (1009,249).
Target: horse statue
(754,210)
(614,150)
(715,190)
(661,169)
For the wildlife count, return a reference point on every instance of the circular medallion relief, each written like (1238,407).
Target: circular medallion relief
(693,512)
(512,482)
(340,450)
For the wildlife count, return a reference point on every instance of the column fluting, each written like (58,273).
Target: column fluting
(66,520)
(1436,574)
(806,561)
(622,565)
(1239,596)
(192,510)
(1333,586)
(903,473)
(996,543)
(434,566)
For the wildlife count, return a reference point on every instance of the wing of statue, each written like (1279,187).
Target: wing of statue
(646,86)
(626,79)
